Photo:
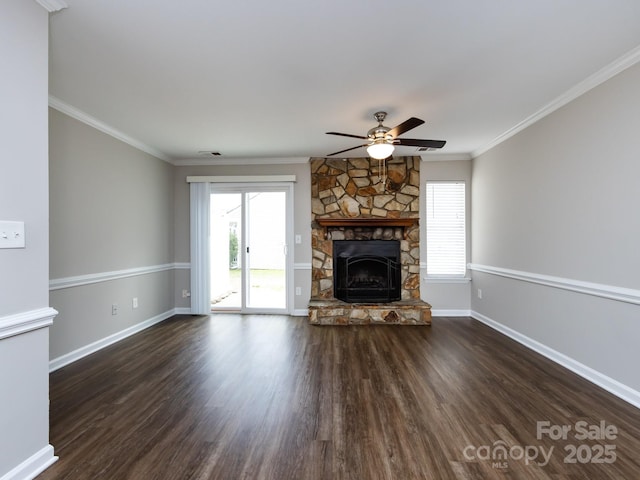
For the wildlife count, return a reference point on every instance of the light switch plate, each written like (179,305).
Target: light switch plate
(12,234)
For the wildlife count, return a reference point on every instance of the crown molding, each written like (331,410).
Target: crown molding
(87,119)
(53,5)
(627,60)
(187,162)
(445,157)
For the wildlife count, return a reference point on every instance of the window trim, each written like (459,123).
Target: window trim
(453,277)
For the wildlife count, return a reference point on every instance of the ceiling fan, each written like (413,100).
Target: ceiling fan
(381,139)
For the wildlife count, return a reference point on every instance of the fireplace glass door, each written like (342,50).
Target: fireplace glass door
(367,271)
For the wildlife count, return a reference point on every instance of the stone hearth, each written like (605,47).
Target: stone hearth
(349,202)
(337,312)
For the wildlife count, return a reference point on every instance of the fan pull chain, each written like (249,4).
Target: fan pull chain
(382,170)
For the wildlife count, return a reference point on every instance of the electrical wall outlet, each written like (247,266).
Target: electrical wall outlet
(114,309)
(479,293)
(298,291)
(185,294)
(134,302)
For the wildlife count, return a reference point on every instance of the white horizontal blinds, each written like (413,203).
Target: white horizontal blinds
(446,237)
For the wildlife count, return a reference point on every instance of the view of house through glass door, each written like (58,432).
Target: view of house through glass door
(248,249)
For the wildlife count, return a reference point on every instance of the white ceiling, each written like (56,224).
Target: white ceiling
(258,79)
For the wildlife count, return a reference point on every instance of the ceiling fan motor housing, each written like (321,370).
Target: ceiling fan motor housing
(379,133)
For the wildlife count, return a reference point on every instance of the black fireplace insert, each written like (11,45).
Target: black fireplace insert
(366,270)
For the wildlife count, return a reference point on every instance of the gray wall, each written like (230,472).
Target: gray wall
(447,297)
(301,220)
(111,211)
(24,382)
(561,199)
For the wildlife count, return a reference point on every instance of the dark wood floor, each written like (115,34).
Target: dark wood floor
(270,397)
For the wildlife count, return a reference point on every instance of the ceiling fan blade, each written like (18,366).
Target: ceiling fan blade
(347,135)
(348,149)
(405,126)
(413,142)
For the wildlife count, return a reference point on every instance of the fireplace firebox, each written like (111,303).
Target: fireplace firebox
(367,270)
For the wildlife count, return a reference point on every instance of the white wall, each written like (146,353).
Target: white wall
(24,294)
(561,199)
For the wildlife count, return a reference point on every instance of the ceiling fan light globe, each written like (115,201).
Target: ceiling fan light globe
(380,151)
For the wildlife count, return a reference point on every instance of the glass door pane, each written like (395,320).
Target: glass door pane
(266,250)
(226,260)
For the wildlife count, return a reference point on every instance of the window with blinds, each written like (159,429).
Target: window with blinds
(446,235)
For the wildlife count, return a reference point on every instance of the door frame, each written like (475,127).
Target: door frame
(266,186)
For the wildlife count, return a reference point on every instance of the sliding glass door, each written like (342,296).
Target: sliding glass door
(249,248)
(266,250)
(226,267)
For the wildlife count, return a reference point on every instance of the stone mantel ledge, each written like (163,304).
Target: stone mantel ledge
(343,222)
(367,222)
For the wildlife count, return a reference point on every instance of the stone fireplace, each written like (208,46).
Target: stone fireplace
(355,210)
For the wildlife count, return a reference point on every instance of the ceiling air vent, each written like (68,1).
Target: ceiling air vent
(207,153)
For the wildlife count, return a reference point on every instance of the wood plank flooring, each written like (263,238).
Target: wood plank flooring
(271,397)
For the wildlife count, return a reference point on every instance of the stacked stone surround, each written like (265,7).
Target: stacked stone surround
(351,189)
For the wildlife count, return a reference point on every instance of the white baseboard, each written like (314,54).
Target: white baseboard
(71,357)
(32,466)
(450,313)
(609,384)
(300,312)
(182,311)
